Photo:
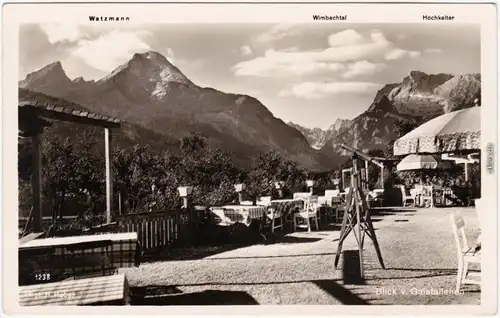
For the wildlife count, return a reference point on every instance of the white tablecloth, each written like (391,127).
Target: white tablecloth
(239,213)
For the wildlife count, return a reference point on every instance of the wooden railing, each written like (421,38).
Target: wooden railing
(158,229)
(161,229)
(154,229)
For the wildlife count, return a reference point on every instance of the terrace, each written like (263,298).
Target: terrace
(298,268)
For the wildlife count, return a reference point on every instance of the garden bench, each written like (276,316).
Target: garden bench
(106,290)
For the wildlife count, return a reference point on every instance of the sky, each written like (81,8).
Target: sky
(310,74)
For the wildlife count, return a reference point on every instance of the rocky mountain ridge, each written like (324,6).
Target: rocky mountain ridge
(151,92)
(419,97)
(317,137)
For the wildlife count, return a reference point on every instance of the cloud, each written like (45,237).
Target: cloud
(291,49)
(396,54)
(111,49)
(268,67)
(434,51)
(170,55)
(315,90)
(346,37)
(65,33)
(170,52)
(347,46)
(246,50)
(103,52)
(362,68)
(279,32)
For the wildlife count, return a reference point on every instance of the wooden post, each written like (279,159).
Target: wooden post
(186,229)
(109,174)
(239,188)
(310,185)
(357,207)
(382,176)
(185,194)
(366,174)
(466,168)
(120,202)
(36,183)
(343,180)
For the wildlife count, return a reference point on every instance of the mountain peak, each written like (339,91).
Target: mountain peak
(420,82)
(51,74)
(150,70)
(152,55)
(52,68)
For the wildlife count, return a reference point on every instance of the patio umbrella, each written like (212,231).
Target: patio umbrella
(422,162)
(452,132)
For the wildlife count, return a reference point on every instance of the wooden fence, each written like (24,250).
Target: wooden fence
(162,228)
(158,229)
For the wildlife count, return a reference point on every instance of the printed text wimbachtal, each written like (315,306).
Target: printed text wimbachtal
(330,17)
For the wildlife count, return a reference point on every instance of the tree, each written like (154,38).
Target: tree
(270,167)
(193,143)
(137,176)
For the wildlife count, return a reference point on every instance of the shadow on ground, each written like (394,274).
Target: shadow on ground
(201,252)
(172,295)
(340,293)
(207,297)
(417,273)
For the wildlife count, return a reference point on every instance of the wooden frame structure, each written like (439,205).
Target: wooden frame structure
(357,217)
(379,162)
(34,117)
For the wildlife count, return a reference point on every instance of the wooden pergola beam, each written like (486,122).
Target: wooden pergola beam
(67,114)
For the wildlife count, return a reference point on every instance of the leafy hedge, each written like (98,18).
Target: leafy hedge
(146,179)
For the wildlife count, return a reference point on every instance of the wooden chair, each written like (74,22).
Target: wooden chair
(466,254)
(427,198)
(338,206)
(272,216)
(406,197)
(331,201)
(309,212)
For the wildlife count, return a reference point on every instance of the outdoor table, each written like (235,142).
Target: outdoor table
(232,215)
(443,196)
(284,207)
(53,259)
(107,290)
(240,213)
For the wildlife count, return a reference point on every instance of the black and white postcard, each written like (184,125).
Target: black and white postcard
(207,157)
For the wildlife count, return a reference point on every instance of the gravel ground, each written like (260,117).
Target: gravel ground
(417,247)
